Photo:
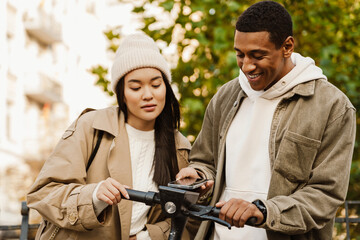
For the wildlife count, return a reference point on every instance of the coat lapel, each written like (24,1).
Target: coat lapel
(119,164)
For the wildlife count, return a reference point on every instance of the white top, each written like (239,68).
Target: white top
(142,149)
(247,168)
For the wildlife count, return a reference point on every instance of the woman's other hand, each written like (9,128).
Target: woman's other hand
(111,191)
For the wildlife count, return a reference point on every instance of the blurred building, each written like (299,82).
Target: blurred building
(46,50)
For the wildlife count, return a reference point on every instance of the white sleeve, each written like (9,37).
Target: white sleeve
(99,205)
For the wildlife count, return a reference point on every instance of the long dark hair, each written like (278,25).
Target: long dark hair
(165,159)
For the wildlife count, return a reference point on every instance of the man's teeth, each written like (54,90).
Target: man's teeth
(253,75)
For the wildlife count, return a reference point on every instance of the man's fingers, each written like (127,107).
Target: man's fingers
(224,208)
(220,204)
(187,172)
(230,214)
(238,211)
(207,185)
(242,216)
(257,213)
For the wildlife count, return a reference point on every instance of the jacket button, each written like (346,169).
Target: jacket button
(235,103)
(72,218)
(272,223)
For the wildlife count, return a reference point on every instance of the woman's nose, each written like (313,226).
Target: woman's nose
(147,95)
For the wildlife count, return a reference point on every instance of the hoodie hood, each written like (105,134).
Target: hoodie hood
(305,70)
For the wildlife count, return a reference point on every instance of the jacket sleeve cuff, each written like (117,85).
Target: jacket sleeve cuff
(159,230)
(273,216)
(88,218)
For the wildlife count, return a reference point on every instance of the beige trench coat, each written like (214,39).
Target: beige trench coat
(62,193)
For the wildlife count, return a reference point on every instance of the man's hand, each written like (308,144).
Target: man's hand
(109,191)
(238,211)
(190,172)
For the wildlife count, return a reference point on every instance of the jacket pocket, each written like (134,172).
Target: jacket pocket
(295,157)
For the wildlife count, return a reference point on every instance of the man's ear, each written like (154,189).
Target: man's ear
(288,46)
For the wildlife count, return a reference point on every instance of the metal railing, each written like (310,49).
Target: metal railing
(347,219)
(22,231)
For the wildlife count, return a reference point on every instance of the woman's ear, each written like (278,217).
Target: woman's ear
(288,46)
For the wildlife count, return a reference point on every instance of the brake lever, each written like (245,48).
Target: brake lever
(212,213)
(203,216)
(205,213)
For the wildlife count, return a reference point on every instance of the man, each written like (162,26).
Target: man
(278,140)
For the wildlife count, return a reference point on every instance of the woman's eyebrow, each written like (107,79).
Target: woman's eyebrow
(134,80)
(154,78)
(138,81)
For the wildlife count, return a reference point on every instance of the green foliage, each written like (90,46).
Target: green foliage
(328,31)
(102,81)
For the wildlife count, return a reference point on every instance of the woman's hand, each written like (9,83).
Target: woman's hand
(190,172)
(109,191)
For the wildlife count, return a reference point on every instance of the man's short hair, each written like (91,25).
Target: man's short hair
(267,16)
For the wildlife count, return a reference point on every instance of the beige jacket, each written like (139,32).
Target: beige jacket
(62,193)
(311,145)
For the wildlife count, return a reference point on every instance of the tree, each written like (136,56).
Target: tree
(203,31)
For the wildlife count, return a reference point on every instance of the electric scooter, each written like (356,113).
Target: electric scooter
(179,204)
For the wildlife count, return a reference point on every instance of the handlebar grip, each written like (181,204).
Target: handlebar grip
(216,212)
(149,198)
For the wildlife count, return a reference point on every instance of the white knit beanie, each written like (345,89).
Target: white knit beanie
(137,51)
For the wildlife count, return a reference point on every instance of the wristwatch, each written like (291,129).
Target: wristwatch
(260,205)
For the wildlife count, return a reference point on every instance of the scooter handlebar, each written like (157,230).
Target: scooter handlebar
(194,210)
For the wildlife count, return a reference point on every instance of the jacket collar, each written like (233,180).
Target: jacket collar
(304,89)
(107,120)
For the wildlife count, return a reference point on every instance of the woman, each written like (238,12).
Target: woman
(141,149)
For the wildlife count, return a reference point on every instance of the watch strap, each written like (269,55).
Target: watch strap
(261,206)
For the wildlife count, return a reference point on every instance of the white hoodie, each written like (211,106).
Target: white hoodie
(247,142)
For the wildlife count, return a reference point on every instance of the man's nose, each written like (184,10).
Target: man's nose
(248,65)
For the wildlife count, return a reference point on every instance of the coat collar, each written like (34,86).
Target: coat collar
(305,89)
(107,119)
